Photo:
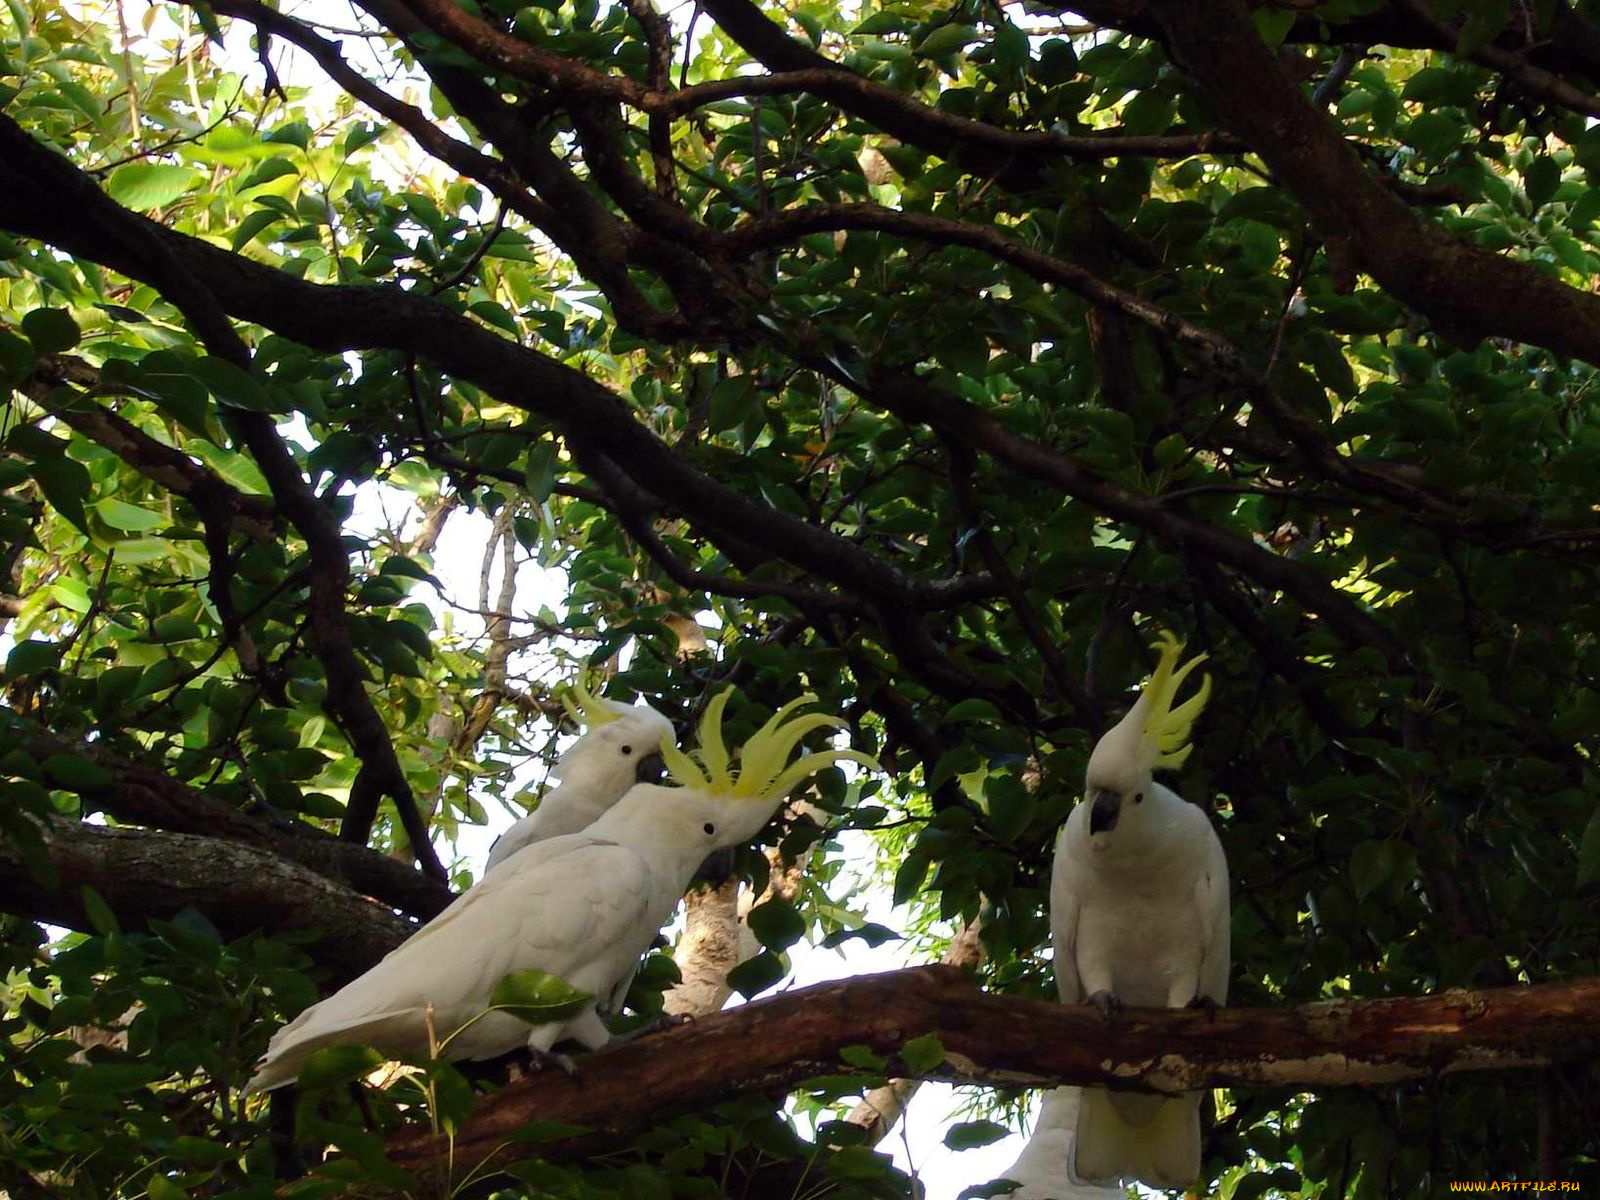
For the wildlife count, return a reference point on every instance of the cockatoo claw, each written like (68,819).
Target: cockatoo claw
(1206,1005)
(540,1060)
(1107,1003)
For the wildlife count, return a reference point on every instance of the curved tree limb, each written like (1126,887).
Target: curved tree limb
(142,795)
(143,873)
(50,199)
(1468,291)
(1003,1041)
(218,502)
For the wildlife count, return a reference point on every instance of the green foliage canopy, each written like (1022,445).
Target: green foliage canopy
(929,358)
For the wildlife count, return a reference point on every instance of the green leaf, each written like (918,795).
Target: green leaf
(540,471)
(75,773)
(755,975)
(406,568)
(969,1135)
(361,135)
(922,1054)
(16,357)
(777,924)
(538,997)
(858,1162)
(162,1188)
(71,593)
(1169,451)
(30,658)
(51,330)
(253,223)
(146,185)
(1273,24)
(235,469)
(333,1065)
(267,171)
(863,1057)
(1541,180)
(99,912)
(232,385)
(731,404)
(1371,863)
(129,518)
(946,39)
(176,628)
(1588,851)
(973,709)
(494,314)
(65,484)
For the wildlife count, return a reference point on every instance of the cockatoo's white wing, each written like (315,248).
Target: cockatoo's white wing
(520,834)
(1064,907)
(1211,897)
(575,907)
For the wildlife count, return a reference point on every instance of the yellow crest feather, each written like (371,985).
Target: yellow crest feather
(763,771)
(584,707)
(1166,729)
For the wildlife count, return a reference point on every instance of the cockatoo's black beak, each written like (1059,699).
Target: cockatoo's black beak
(1104,809)
(649,770)
(718,867)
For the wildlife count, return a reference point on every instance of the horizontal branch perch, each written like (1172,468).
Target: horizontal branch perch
(136,794)
(142,873)
(1003,1041)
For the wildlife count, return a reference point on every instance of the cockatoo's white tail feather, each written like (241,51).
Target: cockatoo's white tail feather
(1044,1168)
(1163,1152)
(288,1057)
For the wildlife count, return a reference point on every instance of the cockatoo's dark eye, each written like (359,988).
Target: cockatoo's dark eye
(710,829)
(1138,797)
(627,749)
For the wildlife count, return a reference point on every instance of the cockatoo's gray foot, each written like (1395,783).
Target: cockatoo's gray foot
(539,1060)
(1206,1005)
(1107,1003)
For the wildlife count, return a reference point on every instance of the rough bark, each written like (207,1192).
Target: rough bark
(880,1109)
(141,795)
(143,874)
(1002,1041)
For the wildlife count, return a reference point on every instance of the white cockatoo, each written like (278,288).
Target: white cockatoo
(583,907)
(1043,1171)
(1139,916)
(621,747)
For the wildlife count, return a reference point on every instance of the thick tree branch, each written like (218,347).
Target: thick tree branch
(145,874)
(1572,44)
(1010,1042)
(141,795)
(1468,291)
(46,197)
(143,245)
(1015,158)
(217,501)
